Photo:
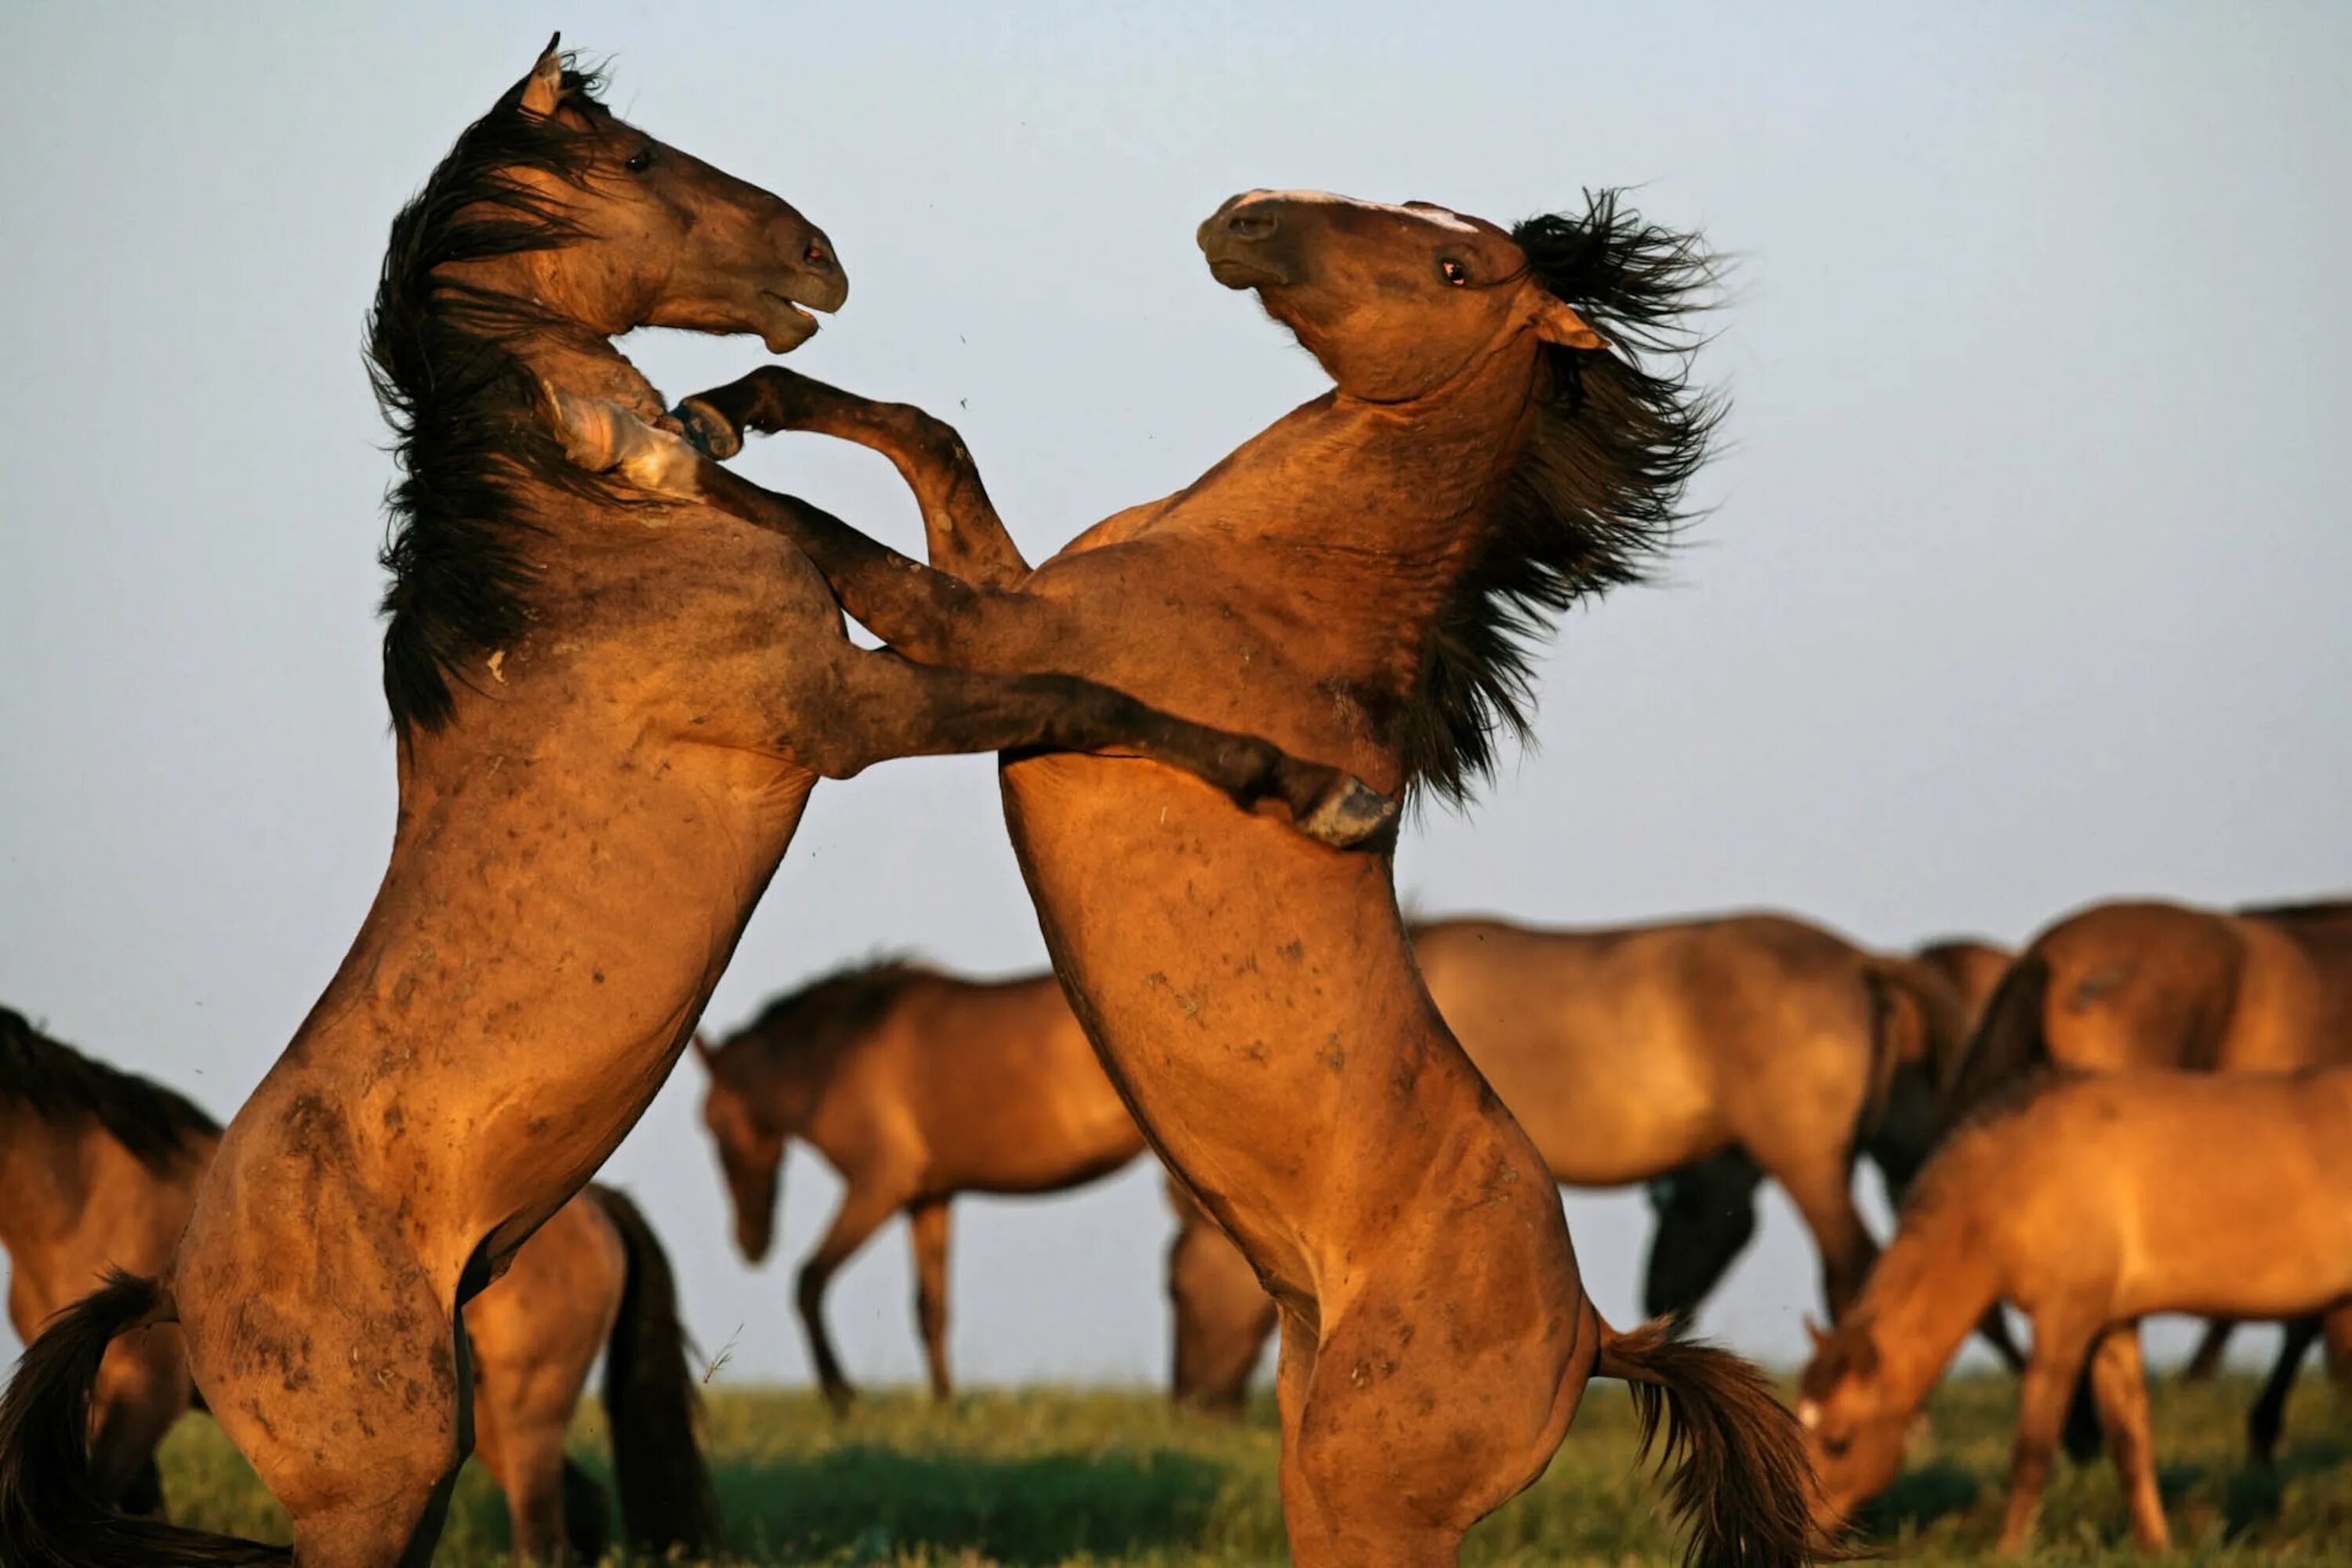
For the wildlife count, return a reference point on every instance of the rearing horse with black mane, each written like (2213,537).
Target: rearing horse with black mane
(609,717)
(1359,579)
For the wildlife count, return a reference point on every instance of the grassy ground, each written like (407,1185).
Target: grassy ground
(1060,1476)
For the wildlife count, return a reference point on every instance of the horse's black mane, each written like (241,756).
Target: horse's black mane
(1595,497)
(461,403)
(834,1007)
(157,1126)
(2309,910)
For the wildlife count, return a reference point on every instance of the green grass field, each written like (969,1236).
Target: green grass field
(1066,1476)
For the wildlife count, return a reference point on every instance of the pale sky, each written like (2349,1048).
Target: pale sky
(2028,580)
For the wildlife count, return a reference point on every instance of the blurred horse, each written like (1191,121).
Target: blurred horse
(97,1171)
(915,1085)
(1510,428)
(2146,984)
(2089,1201)
(1696,1056)
(609,715)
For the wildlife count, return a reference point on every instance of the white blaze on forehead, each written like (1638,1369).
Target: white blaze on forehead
(1808,1415)
(1438,216)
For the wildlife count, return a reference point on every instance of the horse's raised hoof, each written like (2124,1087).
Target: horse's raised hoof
(1351,813)
(712,433)
(604,437)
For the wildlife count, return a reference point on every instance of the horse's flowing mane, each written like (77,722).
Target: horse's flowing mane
(1593,499)
(2309,911)
(59,1084)
(461,405)
(833,1009)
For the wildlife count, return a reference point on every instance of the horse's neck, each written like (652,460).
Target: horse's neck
(44,1173)
(1377,505)
(1925,1294)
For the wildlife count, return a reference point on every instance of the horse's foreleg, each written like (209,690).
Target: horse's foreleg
(862,1212)
(871,706)
(927,1233)
(2047,1388)
(966,538)
(2268,1417)
(2119,1382)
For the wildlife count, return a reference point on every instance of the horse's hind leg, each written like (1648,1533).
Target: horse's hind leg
(2119,1382)
(927,1233)
(1820,1183)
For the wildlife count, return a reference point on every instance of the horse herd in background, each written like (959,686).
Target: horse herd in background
(616,669)
(2078,1186)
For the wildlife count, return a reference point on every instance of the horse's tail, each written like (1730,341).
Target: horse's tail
(650,1401)
(1735,1456)
(52,1514)
(2011,1041)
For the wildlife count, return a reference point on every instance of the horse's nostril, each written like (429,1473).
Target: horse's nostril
(818,256)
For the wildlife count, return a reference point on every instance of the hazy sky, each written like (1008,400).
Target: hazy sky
(2027,585)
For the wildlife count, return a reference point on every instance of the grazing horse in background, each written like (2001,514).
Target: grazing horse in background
(99,1170)
(1703,1055)
(1973,968)
(2089,1201)
(915,1085)
(2144,984)
(609,715)
(1359,579)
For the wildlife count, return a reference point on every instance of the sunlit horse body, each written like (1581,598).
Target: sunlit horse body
(1353,580)
(915,1085)
(99,1170)
(1697,1055)
(2140,983)
(609,716)
(2089,1201)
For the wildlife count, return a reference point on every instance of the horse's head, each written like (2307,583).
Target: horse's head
(1854,1433)
(1395,302)
(750,1151)
(654,237)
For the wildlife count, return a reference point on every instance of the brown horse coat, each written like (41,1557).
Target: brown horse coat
(915,1085)
(2089,1204)
(98,1172)
(1349,580)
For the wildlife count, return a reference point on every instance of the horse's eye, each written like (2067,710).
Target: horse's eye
(1836,1446)
(1456,273)
(639,161)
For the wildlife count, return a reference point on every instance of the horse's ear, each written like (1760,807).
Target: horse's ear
(702,1048)
(1818,1335)
(543,88)
(1556,323)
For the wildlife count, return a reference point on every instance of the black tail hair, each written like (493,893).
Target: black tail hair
(52,1514)
(1735,1456)
(2010,1042)
(650,1401)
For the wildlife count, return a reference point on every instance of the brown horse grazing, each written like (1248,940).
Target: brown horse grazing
(605,707)
(2143,984)
(915,1085)
(1357,580)
(1698,1056)
(1972,967)
(99,1170)
(2089,1205)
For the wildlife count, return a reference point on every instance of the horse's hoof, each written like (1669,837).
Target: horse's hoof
(1349,814)
(713,435)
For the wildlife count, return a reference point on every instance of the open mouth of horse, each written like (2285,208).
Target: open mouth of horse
(790,322)
(1234,272)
